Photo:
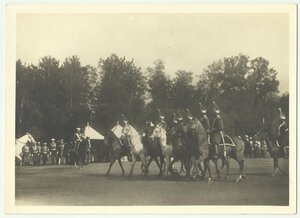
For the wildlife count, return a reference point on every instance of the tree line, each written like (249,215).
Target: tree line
(53,98)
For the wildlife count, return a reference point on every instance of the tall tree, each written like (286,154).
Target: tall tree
(121,91)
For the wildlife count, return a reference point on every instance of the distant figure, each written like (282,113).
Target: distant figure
(247,150)
(251,147)
(35,154)
(60,151)
(53,151)
(44,153)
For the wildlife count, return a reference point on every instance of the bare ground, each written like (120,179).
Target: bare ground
(62,185)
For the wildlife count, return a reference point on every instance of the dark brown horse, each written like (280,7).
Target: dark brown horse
(152,149)
(195,140)
(117,149)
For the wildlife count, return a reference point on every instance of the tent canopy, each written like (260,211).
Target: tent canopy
(93,134)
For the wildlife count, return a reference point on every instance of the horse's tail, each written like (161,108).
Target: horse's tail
(239,146)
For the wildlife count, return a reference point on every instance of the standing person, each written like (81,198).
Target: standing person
(44,153)
(247,146)
(77,151)
(217,132)
(53,151)
(88,150)
(60,151)
(35,154)
(38,144)
(251,147)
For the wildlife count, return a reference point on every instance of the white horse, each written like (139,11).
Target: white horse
(160,133)
(136,146)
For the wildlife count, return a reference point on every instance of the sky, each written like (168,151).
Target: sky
(183,41)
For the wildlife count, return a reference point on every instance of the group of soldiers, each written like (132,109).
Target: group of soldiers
(214,130)
(57,151)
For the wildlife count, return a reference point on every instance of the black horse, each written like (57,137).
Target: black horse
(117,150)
(152,149)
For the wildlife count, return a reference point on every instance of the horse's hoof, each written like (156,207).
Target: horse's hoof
(244,177)
(273,174)
(209,180)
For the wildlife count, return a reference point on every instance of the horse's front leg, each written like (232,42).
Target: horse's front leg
(121,165)
(148,164)
(144,162)
(207,166)
(159,166)
(112,160)
(132,165)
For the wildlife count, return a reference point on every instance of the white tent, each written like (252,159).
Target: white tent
(93,134)
(20,142)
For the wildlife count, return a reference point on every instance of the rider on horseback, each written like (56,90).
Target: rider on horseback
(162,121)
(205,122)
(77,138)
(283,129)
(217,134)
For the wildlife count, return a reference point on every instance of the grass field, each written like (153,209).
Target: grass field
(62,185)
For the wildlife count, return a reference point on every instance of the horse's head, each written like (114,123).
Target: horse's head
(158,132)
(125,131)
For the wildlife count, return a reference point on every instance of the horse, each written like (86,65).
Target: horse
(136,146)
(179,152)
(275,149)
(77,154)
(234,148)
(117,148)
(195,140)
(152,149)
(160,134)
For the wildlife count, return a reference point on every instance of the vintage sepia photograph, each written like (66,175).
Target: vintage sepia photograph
(151,105)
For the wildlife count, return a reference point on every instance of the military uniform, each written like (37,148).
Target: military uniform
(217,137)
(44,153)
(35,154)
(60,150)
(163,124)
(25,154)
(77,139)
(53,151)
(217,130)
